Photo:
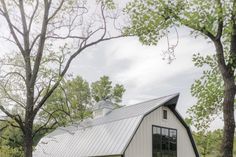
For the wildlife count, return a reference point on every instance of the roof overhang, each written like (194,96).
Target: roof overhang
(172,102)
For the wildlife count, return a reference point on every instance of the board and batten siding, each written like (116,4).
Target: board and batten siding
(141,144)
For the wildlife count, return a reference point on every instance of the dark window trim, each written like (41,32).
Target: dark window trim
(163,127)
(168,135)
(164,114)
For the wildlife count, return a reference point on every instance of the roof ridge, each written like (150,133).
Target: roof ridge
(175,94)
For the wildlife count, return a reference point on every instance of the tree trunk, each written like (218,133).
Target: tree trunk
(229,121)
(29,119)
(227,73)
(28,140)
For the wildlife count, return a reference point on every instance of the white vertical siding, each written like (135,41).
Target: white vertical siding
(141,145)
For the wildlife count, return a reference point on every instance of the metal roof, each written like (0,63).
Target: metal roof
(108,135)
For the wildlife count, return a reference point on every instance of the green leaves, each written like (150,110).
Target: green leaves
(74,100)
(208,143)
(6,151)
(69,103)
(150,21)
(11,140)
(208,90)
(151,18)
(108,3)
(200,61)
(103,90)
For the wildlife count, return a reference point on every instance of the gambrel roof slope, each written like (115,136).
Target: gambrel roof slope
(108,135)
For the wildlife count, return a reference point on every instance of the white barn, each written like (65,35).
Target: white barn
(150,129)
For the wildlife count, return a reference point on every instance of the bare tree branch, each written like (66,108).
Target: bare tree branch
(14,117)
(33,14)
(24,26)
(41,43)
(11,27)
(57,10)
(40,79)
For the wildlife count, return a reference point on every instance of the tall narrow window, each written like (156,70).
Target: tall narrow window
(156,141)
(164,114)
(164,142)
(173,143)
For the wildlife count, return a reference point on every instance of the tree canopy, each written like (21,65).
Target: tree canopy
(209,91)
(72,102)
(42,38)
(103,90)
(214,20)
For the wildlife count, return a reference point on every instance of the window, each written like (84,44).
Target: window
(164,114)
(164,142)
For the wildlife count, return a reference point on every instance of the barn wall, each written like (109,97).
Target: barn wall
(141,145)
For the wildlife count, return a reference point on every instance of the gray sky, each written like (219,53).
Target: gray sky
(142,70)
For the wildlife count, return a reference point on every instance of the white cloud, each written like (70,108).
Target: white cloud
(141,68)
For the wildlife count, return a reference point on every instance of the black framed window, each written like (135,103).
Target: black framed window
(164,114)
(164,142)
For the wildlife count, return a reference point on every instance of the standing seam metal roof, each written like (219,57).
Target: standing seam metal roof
(108,135)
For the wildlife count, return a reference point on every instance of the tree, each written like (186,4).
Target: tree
(208,143)
(69,103)
(11,137)
(10,152)
(103,90)
(74,99)
(208,90)
(43,37)
(215,20)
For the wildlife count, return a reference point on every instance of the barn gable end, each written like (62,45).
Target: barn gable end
(141,143)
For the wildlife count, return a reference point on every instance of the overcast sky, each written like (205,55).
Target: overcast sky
(141,69)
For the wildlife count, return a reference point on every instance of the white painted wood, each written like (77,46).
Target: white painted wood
(141,145)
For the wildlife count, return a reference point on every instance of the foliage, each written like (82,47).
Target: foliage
(208,90)
(208,143)
(11,140)
(151,18)
(10,136)
(70,103)
(74,100)
(215,20)
(103,90)
(42,39)
(6,151)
